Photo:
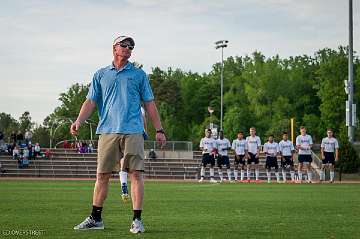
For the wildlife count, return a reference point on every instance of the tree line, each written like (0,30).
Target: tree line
(259,91)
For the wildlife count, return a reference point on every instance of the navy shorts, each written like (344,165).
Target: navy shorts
(305,158)
(223,160)
(329,158)
(286,162)
(271,162)
(208,159)
(239,159)
(252,159)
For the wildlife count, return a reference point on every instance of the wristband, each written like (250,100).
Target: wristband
(161,131)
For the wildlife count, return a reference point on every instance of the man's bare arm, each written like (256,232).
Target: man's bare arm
(85,112)
(152,111)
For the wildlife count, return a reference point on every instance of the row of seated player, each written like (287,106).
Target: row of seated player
(247,151)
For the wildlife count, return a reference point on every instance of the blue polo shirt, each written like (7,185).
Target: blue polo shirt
(118,94)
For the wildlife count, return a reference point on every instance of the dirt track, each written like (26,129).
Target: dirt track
(116,179)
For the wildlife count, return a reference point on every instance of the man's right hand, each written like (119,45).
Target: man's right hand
(75,127)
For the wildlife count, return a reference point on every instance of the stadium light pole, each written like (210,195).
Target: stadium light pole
(350,107)
(221,44)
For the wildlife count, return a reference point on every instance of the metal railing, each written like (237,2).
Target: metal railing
(169,146)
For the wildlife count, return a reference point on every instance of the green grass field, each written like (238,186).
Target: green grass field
(185,210)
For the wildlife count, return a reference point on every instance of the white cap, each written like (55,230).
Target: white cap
(122,38)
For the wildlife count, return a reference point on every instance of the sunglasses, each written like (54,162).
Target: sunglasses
(125,45)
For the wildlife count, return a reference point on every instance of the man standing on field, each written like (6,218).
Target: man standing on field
(118,90)
(304,144)
(254,144)
(208,147)
(240,148)
(329,155)
(286,149)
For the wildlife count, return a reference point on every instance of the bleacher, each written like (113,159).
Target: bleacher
(67,163)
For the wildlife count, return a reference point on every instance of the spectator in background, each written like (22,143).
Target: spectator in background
(82,149)
(13,137)
(37,150)
(78,145)
(10,148)
(2,170)
(47,153)
(28,136)
(20,138)
(66,144)
(26,153)
(90,148)
(152,154)
(24,158)
(1,136)
(2,143)
(31,151)
(16,153)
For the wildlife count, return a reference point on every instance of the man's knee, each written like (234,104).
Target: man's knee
(103,177)
(137,175)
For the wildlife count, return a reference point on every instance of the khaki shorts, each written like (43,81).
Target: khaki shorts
(113,147)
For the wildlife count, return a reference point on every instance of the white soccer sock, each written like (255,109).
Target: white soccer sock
(235,174)
(211,172)
(123,177)
(292,175)
(202,172)
(257,174)
(309,174)
(229,174)
(242,175)
(300,175)
(322,175)
(248,174)
(284,175)
(268,176)
(220,174)
(332,175)
(277,176)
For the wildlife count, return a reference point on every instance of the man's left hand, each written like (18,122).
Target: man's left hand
(160,137)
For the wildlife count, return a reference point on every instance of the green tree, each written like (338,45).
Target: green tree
(7,125)
(25,122)
(331,74)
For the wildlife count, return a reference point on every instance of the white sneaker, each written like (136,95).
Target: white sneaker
(89,224)
(137,227)
(213,181)
(201,180)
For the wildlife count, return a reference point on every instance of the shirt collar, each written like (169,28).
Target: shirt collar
(127,66)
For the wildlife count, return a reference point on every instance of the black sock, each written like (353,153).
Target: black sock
(96,213)
(137,215)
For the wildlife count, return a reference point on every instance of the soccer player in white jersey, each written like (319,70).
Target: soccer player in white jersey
(123,175)
(240,148)
(329,154)
(254,144)
(286,150)
(208,147)
(303,144)
(271,150)
(223,145)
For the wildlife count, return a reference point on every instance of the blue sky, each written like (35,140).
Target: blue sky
(46,46)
